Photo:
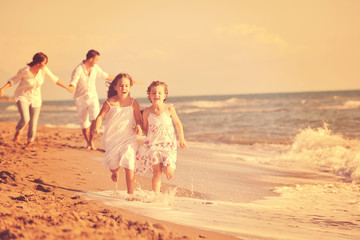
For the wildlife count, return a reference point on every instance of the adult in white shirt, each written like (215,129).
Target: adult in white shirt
(28,93)
(86,98)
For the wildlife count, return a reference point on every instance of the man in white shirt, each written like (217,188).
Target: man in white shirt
(85,96)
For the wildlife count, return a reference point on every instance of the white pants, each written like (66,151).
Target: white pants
(28,114)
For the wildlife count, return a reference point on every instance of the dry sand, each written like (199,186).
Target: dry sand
(41,193)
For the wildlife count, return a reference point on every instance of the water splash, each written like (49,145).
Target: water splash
(328,152)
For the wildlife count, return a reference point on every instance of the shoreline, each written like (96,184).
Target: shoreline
(42,189)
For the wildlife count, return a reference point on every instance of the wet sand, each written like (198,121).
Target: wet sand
(41,193)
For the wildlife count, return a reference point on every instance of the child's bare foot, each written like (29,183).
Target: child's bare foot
(114,176)
(131,197)
(154,197)
(88,147)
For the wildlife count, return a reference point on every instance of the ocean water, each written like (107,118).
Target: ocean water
(261,166)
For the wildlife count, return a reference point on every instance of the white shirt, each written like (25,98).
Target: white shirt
(29,88)
(84,83)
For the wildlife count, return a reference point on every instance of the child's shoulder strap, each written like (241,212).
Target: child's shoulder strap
(108,102)
(168,108)
(147,109)
(169,105)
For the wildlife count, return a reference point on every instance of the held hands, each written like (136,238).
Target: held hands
(1,92)
(137,129)
(71,89)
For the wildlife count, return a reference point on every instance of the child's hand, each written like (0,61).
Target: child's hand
(138,130)
(183,144)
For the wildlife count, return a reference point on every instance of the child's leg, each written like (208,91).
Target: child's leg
(91,136)
(115,174)
(156,180)
(130,180)
(169,172)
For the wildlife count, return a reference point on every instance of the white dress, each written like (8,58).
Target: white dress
(119,138)
(159,146)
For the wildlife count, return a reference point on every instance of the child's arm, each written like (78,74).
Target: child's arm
(178,126)
(145,122)
(104,109)
(137,115)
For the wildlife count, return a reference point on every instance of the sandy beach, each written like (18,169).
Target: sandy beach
(41,193)
(56,189)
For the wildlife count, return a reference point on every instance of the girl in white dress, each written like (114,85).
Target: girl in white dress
(123,122)
(158,152)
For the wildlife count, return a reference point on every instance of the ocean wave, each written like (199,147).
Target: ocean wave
(72,126)
(238,138)
(231,110)
(56,108)
(253,110)
(216,104)
(328,152)
(11,108)
(48,108)
(191,110)
(69,125)
(350,104)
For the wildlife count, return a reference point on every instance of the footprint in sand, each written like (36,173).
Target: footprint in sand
(41,188)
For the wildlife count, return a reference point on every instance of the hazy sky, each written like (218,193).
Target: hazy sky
(197,47)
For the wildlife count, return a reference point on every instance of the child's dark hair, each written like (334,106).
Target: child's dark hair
(155,84)
(112,92)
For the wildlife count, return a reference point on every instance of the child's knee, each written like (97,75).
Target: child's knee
(169,172)
(157,168)
(169,176)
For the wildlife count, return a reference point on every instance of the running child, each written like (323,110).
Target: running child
(123,122)
(159,150)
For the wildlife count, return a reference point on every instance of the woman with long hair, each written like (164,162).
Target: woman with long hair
(28,93)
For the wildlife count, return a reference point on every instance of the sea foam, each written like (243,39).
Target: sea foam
(328,152)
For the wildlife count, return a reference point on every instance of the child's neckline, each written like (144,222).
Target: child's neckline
(160,113)
(119,104)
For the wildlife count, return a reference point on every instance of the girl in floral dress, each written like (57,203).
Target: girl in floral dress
(158,152)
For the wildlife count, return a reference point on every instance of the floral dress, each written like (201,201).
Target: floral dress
(159,145)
